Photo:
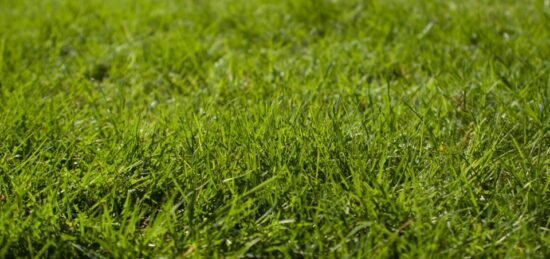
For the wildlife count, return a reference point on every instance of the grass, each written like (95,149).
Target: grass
(264,128)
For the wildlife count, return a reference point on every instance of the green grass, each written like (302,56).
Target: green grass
(274,128)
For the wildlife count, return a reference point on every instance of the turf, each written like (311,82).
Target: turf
(274,128)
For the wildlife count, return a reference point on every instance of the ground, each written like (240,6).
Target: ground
(274,128)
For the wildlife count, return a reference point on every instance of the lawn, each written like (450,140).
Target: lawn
(274,128)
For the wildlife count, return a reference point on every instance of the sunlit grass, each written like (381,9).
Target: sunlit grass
(265,128)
